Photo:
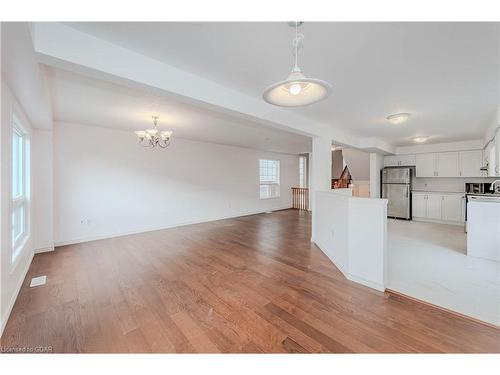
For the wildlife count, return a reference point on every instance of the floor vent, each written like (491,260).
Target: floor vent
(37,281)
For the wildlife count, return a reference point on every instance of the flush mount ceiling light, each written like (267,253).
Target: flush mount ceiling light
(297,90)
(154,137)
(398,118)
(420,139)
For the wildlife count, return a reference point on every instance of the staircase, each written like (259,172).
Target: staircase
(344,181)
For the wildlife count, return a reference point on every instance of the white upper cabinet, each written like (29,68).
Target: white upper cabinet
(425,165)
(447,164)
(406,160)
(391,161)
(399,160)
(471,163)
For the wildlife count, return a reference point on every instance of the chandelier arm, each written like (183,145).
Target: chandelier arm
(164,143)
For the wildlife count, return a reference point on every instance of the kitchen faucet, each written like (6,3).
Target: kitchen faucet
(494,186)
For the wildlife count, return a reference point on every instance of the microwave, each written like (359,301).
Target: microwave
(478,188)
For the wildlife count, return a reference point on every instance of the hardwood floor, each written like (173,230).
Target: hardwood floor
(250,284)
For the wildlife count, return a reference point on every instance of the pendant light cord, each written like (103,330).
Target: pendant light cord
(297,43)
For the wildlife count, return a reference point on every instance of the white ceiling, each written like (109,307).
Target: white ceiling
(445,74)
(88,101)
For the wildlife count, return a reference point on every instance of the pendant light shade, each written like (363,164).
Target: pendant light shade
(297,90)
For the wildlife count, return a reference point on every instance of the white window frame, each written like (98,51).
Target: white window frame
(22,201)
(273,185)
(303,171)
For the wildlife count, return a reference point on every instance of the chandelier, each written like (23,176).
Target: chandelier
(297,90)
(154,137)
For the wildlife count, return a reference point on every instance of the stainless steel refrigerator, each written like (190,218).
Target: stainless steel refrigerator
(396,187)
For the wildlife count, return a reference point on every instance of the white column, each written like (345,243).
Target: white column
(321,171)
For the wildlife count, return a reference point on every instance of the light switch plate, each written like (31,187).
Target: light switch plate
(37,281)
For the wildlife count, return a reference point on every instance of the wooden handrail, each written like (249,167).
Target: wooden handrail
(300,198)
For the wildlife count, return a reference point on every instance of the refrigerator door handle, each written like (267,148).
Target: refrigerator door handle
(407,191)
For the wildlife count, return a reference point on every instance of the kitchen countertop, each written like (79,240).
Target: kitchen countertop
(485,198)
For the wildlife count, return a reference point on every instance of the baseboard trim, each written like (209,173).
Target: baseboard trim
(13,299)
(44,249)
(368,283)
(145,230)
(397,294)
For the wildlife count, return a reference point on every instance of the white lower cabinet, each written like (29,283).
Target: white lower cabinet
(419,205)
(445,207)
(453,208)
(434,207)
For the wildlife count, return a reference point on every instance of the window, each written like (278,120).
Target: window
(269,171)
(20,187)
(302,171)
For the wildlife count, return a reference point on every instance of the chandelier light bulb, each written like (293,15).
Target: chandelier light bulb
(295,89)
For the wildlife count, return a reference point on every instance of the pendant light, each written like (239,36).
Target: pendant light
(297,90)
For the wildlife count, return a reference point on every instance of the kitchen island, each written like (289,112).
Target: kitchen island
(483,227)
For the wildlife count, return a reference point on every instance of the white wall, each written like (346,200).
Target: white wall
(106,184)
(339,219)
(11,274)
(43,204)
(358,163)
(337,163)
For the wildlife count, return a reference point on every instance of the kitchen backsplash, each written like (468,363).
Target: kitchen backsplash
(445,184)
